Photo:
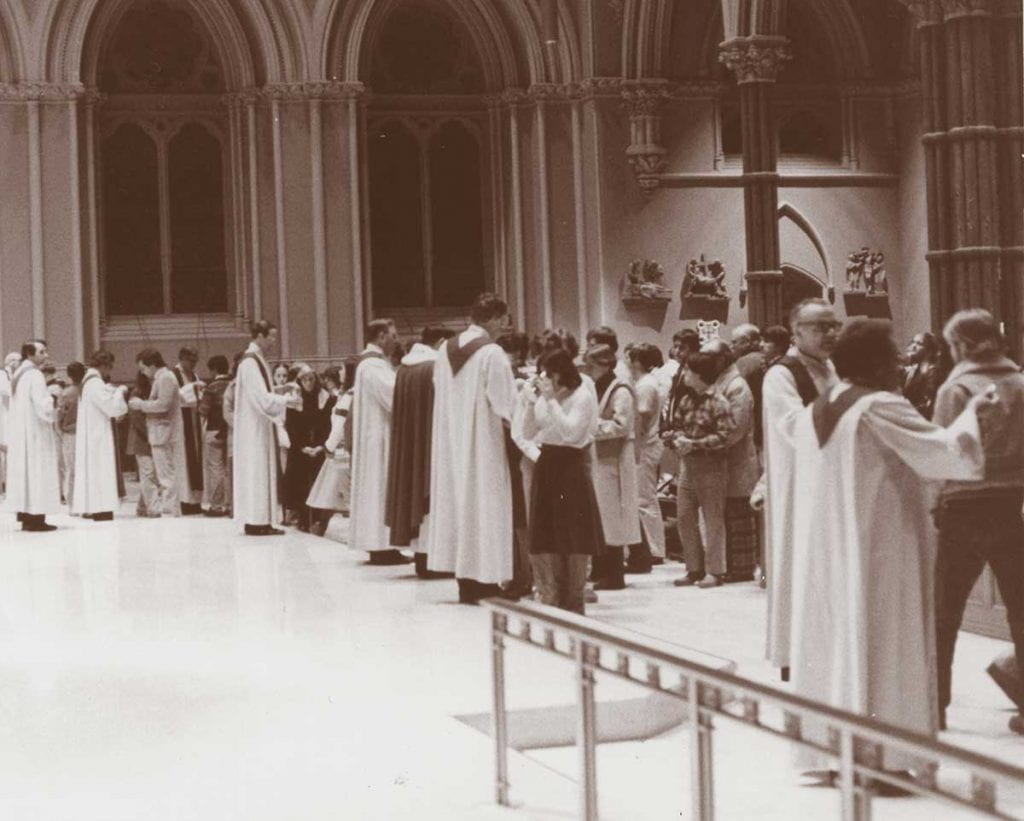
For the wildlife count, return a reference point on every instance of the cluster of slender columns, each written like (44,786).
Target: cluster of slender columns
(971,74)
(756,62)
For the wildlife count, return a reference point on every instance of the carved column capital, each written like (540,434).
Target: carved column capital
(756,59)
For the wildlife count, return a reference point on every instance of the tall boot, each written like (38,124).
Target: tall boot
(613,569)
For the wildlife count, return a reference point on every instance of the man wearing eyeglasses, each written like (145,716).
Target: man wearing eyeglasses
(790,384)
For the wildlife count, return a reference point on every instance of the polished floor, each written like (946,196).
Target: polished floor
(173,669)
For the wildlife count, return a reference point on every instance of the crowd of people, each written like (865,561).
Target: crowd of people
(817,458)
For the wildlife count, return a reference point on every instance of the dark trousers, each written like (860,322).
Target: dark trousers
(973,533)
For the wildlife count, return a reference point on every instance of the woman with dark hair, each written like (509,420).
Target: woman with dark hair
(565,525)
(308,428)
(923,373)
(864,458)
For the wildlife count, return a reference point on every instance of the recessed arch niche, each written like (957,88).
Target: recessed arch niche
(163,154)
(426,145)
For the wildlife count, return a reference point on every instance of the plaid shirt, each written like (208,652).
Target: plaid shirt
(704,418)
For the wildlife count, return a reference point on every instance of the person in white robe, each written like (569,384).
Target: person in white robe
(471,526)
(793,382)
(257,409)
(867,473)
(33,477)
(95,494)
(11,363)
(373,393)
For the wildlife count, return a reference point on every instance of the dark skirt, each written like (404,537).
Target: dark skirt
(563,509)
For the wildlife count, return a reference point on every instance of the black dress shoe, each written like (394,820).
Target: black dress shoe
(37,527)
(106,516)
(190,509)
(262,530)
(387,558)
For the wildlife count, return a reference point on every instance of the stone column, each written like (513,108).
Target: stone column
(970,70)
(756,61)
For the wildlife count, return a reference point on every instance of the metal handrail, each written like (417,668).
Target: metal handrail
(859,743)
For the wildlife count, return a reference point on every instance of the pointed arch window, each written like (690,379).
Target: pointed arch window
(162,159)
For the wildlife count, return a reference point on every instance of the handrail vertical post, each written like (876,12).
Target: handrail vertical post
(855,798)
(499,623)
(587,732)
(702,777)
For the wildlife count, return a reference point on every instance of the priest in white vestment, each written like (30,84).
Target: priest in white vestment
(5,408)
(257,407)
(95,495)
(471,527)
(33,479)
(793,382)
(370,423)
(863,539)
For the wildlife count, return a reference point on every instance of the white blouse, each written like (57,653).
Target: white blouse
(569,420)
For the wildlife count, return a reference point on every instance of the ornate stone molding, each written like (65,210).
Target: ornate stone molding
(41,92)
(953,9)
(757,59)
(317,90)
(880,91)
(924,12)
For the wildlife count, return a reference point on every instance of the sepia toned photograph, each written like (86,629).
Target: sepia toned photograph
(484,410)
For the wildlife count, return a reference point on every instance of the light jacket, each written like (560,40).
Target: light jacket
(1002,425)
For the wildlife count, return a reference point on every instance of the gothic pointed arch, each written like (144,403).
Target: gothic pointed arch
(250,45)
(789,212)
(12,51)
(507,34)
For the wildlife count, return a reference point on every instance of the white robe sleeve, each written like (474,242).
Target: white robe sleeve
(188,395)
(933,452)
(500,385)
(42,401)
(271,405)
(781,403)
(524,441)
(379,386)
(107,400)
(337,434)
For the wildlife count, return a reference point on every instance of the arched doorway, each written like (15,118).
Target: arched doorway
(426,131)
